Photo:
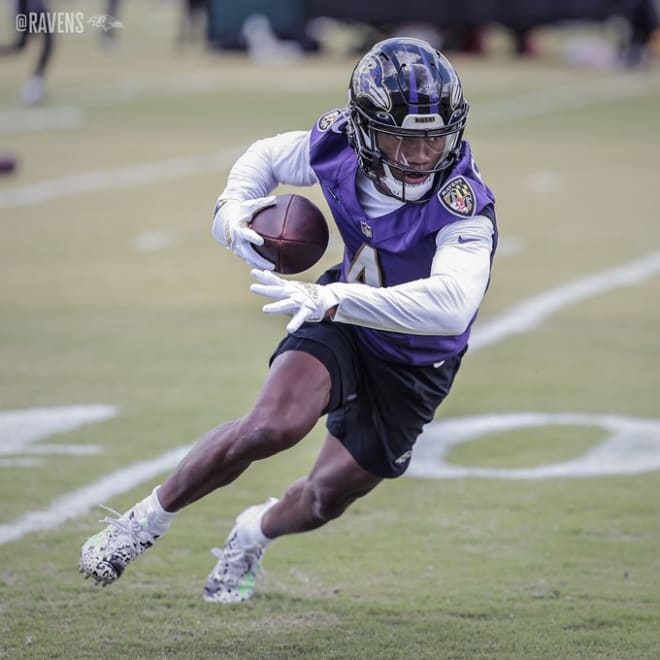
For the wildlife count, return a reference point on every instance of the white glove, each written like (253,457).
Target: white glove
(230,227)
(306,302)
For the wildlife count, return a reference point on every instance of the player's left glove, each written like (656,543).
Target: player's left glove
(305,301)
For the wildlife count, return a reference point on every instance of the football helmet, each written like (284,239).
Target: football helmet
(407,115)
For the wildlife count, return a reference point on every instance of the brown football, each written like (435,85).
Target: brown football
(295,233)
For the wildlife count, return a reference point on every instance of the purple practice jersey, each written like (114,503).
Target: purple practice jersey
(398,247)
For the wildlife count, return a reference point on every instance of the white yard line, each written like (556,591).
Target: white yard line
(521,318)
(80,501)
(36,120)
(20,430)
(119,177)
(529,314)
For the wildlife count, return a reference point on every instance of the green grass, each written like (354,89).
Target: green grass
(422,568)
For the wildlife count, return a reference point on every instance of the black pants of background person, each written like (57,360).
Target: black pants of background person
(31,7)
(33,88)
(643,18)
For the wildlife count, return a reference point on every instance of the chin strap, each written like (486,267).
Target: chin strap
(407,192)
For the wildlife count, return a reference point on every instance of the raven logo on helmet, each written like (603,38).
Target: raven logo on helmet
(367,82)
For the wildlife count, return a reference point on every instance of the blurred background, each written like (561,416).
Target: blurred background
(596,32)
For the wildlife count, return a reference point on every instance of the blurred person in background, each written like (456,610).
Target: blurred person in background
(33,89)
(192,23)
(644,25)
(109,37)
(376,343)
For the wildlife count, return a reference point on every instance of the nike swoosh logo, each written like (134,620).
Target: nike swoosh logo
(467,240)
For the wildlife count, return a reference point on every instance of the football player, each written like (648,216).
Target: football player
(375,344)
(30,11)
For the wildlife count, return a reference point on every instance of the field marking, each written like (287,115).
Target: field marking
(521,318)
(632,446)
(19,462)
(119,177)
(36,120)
(531,104)
(529,314)
(80,501)
(20,430)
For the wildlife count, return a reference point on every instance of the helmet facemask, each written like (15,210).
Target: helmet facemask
(407,117)
(406,163)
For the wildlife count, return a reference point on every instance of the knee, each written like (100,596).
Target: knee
(324,503)
(265,436)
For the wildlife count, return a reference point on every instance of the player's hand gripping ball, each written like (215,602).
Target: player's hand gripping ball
(295,233)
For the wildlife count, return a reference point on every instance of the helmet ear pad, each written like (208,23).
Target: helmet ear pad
(406,88)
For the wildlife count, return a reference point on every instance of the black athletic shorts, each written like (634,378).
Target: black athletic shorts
(377,409)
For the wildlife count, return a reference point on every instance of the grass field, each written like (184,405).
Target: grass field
(112,292)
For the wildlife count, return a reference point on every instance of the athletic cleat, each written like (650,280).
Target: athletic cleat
(105,555)
(235,575)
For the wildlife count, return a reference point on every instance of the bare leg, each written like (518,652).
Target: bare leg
(334,483)
(293,397)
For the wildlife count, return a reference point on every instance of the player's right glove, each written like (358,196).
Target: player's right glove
(304,301)
(230,227)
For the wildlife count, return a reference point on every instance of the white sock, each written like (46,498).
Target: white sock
(157,518)
(167,516)
(250,524)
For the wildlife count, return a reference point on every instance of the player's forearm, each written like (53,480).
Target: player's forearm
(438,305)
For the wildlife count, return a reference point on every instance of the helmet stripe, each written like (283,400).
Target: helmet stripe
(412,86)
(432,98)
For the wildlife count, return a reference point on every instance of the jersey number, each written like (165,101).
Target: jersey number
(365,267)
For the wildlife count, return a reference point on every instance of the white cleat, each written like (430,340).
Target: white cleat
(105,555)
(234,577)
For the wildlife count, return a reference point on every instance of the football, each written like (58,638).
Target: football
(295,233)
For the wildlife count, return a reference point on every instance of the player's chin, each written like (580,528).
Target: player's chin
(415,179)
